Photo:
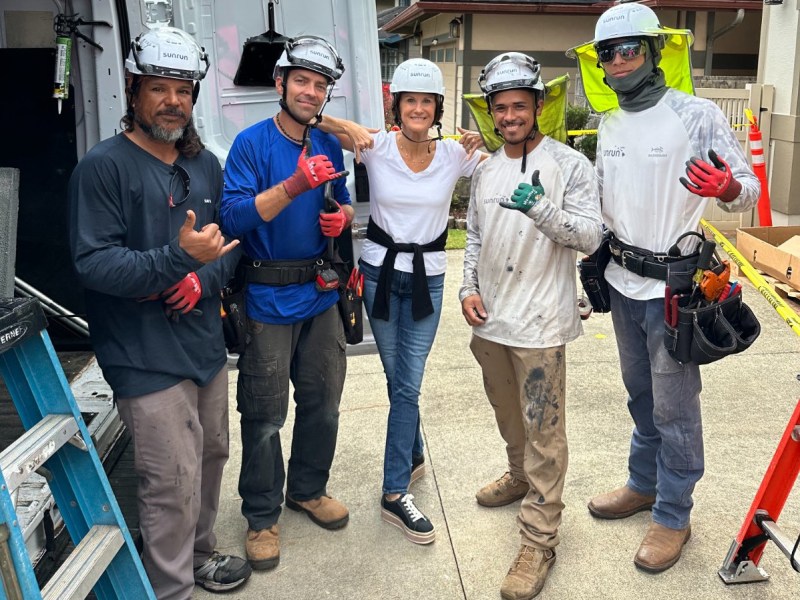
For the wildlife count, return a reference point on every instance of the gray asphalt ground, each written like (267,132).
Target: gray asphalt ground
(747,402)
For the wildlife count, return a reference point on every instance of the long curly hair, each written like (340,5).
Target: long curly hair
(189,144)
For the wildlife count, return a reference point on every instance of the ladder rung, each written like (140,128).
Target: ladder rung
(77,576)
(31,451)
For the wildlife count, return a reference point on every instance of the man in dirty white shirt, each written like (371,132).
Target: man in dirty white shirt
(533,204)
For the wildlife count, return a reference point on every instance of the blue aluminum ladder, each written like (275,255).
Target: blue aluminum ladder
(105,558)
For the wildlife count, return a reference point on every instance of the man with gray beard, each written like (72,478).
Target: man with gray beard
(146,247)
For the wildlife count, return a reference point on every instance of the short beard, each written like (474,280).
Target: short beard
(159,133)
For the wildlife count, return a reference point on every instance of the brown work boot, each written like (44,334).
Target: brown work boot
(620,503)
(527,575)
(503,491)
(263,548)
(324,511)
(661,548)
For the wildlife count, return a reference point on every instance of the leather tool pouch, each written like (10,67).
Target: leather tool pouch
(591,271)
(350,304)
(234,316)
(699,331)
(706,334)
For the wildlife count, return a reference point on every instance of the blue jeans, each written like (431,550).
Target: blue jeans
(666,456)
(404,345)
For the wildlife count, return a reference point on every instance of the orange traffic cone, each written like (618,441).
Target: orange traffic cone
(760,169)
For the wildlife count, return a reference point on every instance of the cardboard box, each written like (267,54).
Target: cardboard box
(759,246)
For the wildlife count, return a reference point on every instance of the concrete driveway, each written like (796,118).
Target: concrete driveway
(747,401)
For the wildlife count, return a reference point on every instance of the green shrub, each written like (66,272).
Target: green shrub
(577,119)
(587,145)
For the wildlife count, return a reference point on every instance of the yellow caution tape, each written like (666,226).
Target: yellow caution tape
(570,133)
(783,309)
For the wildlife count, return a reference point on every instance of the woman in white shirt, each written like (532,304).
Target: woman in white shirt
(411,178)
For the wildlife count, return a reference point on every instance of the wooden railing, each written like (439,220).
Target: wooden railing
(758,98)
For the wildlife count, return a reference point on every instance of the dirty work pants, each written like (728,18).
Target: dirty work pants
(180,442)
(312,355)
(666,456)
(526,388)
(404,345)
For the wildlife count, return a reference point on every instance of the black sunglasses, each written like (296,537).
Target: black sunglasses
(627,50)
(183,175)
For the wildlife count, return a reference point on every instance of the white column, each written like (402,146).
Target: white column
(779,65)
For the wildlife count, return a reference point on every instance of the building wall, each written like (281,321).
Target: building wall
(547,37)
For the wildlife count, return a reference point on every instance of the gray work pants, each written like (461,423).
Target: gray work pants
(180,438)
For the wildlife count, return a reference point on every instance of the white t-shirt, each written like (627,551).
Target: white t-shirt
(641,157)
(413,208)
(523,265)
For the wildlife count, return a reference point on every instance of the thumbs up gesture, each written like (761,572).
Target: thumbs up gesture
(205,245)
(526,195)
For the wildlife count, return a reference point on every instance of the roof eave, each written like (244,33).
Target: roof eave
(423,8)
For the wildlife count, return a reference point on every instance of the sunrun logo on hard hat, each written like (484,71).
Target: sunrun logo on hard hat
(175,55)
(419,74)
(322,55)
(509,70)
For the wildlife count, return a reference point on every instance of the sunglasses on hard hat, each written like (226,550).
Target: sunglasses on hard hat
(627,50)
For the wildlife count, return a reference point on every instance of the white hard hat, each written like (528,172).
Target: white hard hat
(417,75)
(511,70)
(312,53)
(626,21)
(167,52)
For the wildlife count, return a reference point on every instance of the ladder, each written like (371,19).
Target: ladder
(105,558)
(760,525)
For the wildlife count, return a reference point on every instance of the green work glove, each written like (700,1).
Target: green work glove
(526,195)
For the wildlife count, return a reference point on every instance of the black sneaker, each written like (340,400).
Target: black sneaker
(403,514)
(417,467)
(222,572)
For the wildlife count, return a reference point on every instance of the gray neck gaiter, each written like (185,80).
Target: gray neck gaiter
(641,89)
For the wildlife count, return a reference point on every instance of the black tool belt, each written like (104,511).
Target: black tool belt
(642,262)
(283,272)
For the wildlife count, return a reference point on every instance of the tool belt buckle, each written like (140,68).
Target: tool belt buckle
(660,257)
(624,256)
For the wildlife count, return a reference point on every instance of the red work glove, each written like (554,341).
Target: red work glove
(332,223)
(311,172)
(711,181)
(184,295)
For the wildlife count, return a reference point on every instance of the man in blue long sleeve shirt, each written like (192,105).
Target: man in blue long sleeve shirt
(147,249)
(273,200)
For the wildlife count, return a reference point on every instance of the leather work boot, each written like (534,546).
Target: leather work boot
(620,503)
(324,511)
(263,548)
(503,491)
(527,575)
(661,548)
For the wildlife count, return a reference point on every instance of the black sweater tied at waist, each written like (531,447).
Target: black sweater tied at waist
(421,305)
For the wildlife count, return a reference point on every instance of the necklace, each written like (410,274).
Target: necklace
(415,160)
(407,155)
(283,131)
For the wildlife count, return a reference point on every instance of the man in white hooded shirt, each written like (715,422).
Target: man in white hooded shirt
(519,294)
(646,149)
